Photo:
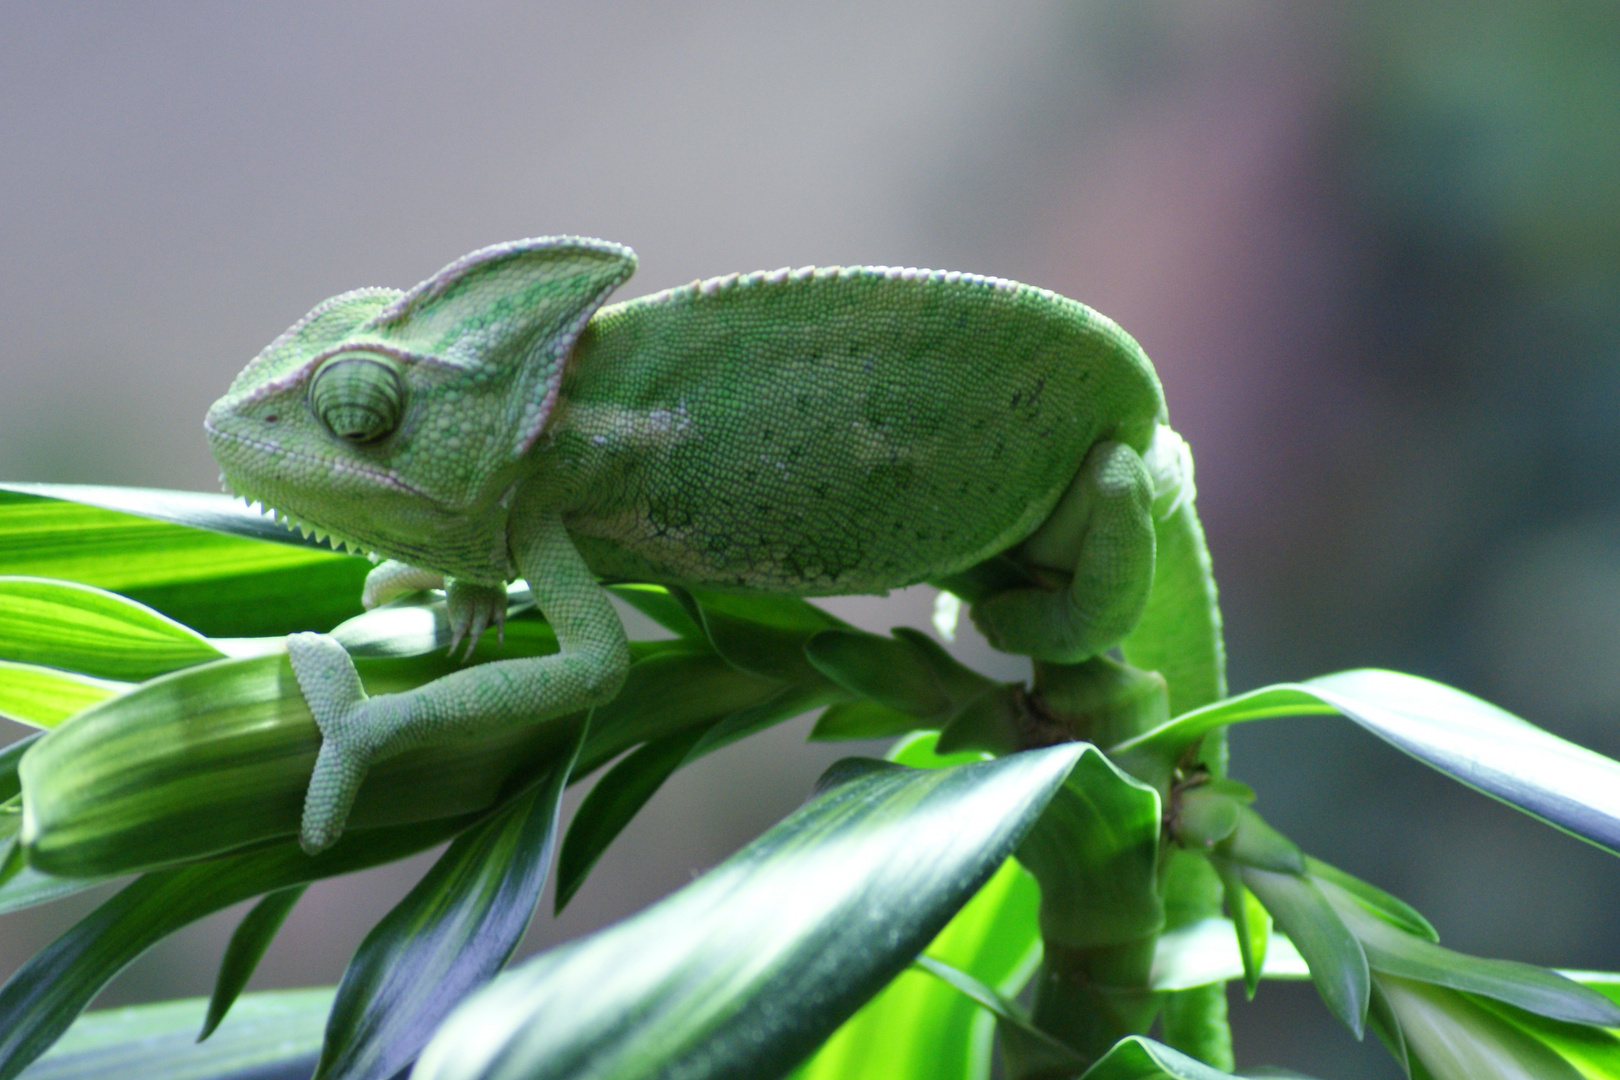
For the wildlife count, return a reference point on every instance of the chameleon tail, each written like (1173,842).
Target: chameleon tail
(1179,636)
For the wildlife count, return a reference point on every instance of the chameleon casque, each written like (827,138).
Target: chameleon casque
(822,431)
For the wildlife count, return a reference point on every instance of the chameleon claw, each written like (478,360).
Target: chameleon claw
(473,609)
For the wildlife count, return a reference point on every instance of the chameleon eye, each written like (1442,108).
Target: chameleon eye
(358,396)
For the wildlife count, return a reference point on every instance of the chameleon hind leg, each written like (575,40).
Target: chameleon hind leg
(1094,553)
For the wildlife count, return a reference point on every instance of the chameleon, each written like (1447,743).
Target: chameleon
(816,432)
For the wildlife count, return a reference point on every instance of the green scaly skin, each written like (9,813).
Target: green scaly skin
(819,432)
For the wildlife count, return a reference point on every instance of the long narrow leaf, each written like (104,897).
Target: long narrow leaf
(212,758)
(43,697)
(1531,988)
(1485,747)
(244,951)
(45,995)
(92,631)
(1206,951)
(447,937)
(621,794)
(268,1035)
(177,558)
(918,1028)
(746,970)
(1137,1058)
(1338,964)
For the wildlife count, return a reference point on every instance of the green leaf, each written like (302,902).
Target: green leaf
(1095,853)
(246,948)
(29,888)
(1394,910)
(994,939)
(44,996)
(1206,951)
(1531,988)
(674,689)
(221,585)
(861,720)
(1593,1051)
(216,757)
(621,794)
(1338,964)
(10,757)
(1139,1058)
(614,800)
(1037,1048)
(762,635)
(747,969)
(655,602)
(449,936)
(1455,1037)
(43,697)
(1256,844)
(1485,747)
(81,628)
(273,1034)
(916,1028)
(889,671)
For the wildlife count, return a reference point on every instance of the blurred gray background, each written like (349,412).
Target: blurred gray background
(1374,250)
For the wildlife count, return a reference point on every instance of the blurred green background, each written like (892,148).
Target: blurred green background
(1374,250)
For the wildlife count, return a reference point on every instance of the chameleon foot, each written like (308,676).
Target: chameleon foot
(473,609)
(349,735)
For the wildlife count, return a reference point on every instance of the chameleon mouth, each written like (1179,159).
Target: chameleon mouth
(293,523)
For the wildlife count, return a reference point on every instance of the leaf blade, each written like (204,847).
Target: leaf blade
(454,930)
(774,921)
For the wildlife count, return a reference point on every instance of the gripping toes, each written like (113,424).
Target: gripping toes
(473,609)
(336,699)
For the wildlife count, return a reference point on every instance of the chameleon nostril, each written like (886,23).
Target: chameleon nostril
(272,418)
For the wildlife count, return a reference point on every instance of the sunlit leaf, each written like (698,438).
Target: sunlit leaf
(717,979)
(1457,1038)
(1593,1051)
(91,631)
(1479,744)
(268,1035)
(176,557)
(44,697)
(1392,909)
(1206,951)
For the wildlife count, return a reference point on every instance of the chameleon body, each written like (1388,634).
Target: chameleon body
(815,432)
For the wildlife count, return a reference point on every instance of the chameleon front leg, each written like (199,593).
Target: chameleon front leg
(358,730)
(1101,534)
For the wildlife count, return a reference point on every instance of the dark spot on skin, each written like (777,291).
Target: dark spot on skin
(272,418)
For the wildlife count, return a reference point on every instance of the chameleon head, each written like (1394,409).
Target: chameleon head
(398,422)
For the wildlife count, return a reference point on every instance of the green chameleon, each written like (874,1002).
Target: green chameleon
(816,432)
